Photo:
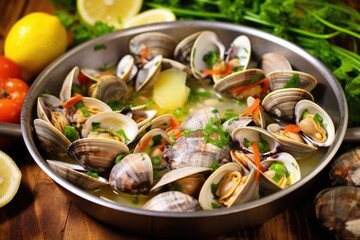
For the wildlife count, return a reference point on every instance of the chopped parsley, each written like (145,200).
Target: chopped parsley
(214,165)
(122,133)
(175,187)
(71,133)
(195,96)
(156,175)
(262,144)
(155,161)
(280,171)
(119,157)
(293,82)
(181,112)
(80,105)
(93,173)
(211,58)
(215,134)
(135,200)
(95,125)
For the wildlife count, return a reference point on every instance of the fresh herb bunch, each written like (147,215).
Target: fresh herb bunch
(315,25)
(66,12)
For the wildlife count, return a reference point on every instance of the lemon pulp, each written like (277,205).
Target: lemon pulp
(10,177)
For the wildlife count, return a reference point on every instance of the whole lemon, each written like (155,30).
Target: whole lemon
(34,41)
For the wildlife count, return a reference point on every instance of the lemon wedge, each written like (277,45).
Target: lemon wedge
(111,12)
(150,16)
(10,177)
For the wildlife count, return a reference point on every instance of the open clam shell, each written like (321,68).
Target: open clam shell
(133,174)
(183,49)
(172,201)
(177,174)
(51,139)
(109,88)
(227,84)
(291,142)
(281,103)
(272,62)
(112,121)
(148,73)
(154,43)
(206,42)
(267,184)
(153,143)
(76,174)
(317,126)
(242,135)
(126,68)
(70,79)
(96,154)
(234,184)
(278,79)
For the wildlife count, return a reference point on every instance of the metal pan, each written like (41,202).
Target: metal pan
(328,94)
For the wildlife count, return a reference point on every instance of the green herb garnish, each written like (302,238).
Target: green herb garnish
(211,58)
(280,171)
(80,105)
(293,82)
(122,133)
(155,161)
(135,200)
(71,133)
(175,187)
(93,173)
(215,134)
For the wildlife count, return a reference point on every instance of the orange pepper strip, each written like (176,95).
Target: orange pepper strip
(264,81)
(252,108)
(223,72)
(256,113)
(293,128)
(144,54)
(256,151)
(71,102)
(175,127)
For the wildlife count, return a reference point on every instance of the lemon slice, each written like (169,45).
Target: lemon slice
(112,12)
(150,16)
(10,177)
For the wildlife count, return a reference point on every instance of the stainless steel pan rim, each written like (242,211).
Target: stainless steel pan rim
(41,82)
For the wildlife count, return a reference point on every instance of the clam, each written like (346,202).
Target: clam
(172,201)
(337,210)
(108,88)
(148,73)
(189,179)
(241,85)
(191,150)
(233,185)
(281,103)
(90,107)
(315,123)
(291,141)
(258,115)
(245,136)
(273,61)
(237,58)
(93,74)
(167,63)
(153,143)
(126,68)
(77,175)
(133,174)
(110,125)
(49,109)
(166,122)
(51,139)
(345,169)
(97,154)
(183,49)
(150,44)
(206,43)
(235,122)
(289,78)
(70,79)
(277,172)
(200,118)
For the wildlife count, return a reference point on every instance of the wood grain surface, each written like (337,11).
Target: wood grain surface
(41,211)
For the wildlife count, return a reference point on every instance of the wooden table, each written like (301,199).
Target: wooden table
(41,211)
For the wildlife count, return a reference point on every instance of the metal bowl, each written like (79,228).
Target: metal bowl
(328,94)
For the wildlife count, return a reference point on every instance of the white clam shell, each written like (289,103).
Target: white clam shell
(148,74)
(254,134)
(172,201)
(278,79)
(177,174)
(248,191)
(70,79)
(77,175)
(113,120)
(206,42)
(313,108)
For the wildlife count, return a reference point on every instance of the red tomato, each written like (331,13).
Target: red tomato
(12,95)
(8,68)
